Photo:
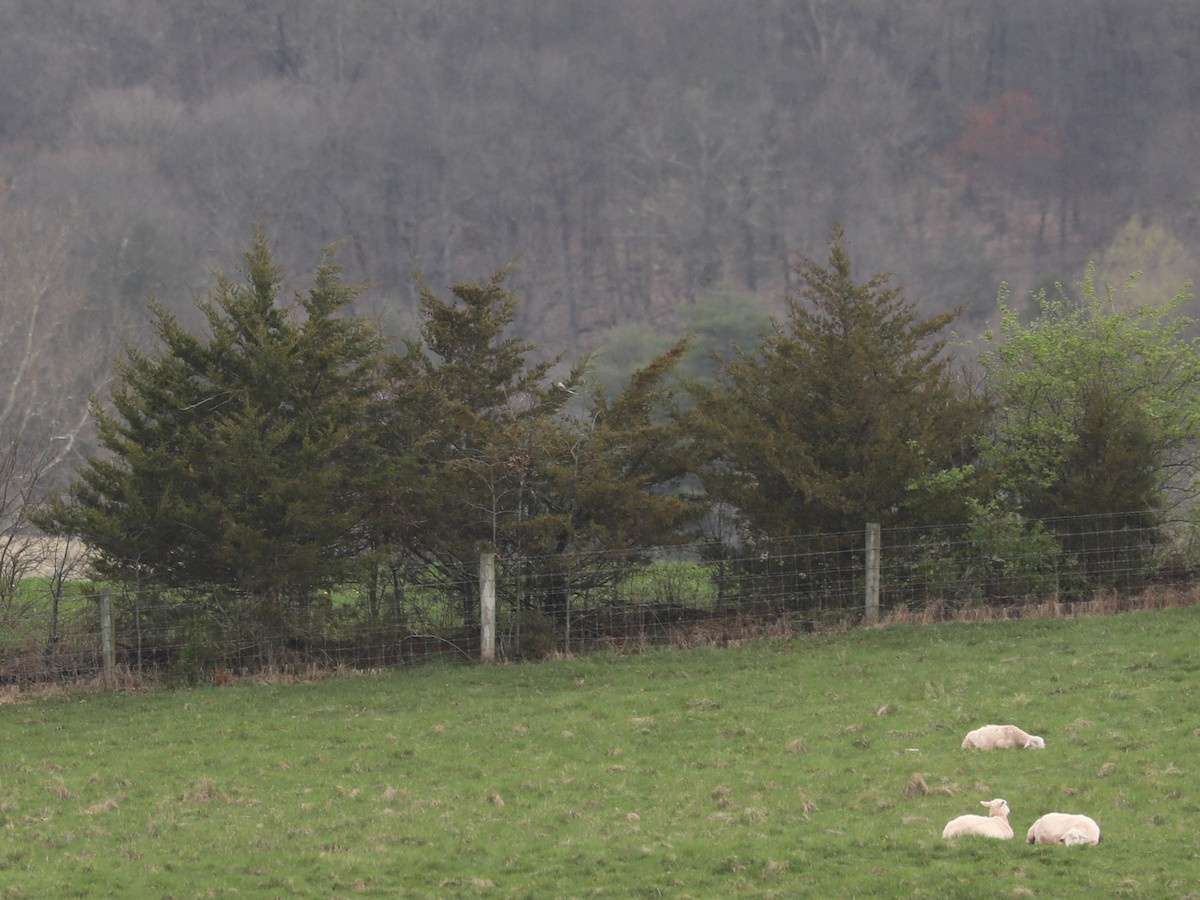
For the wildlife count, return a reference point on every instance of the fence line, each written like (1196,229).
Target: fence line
(705,593)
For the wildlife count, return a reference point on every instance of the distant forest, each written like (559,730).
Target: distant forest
(648,166)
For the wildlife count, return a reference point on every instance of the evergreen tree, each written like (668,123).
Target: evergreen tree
(843,414)
(500,456)
(234,459)
(612,480)
(475,391)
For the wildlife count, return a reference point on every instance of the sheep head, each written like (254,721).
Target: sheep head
(997,807)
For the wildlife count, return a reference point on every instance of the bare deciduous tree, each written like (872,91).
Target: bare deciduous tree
(24,550)
(50,357)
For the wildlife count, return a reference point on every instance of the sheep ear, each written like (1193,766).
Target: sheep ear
(985,803)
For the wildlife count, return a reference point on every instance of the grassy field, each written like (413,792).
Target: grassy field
(824,766)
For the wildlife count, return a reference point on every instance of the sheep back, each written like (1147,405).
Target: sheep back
(1070,829)
(978,826)
(1002,737)
(993,825)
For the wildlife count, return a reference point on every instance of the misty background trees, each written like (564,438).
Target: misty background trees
(638,157)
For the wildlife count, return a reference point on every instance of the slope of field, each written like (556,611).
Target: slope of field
(823,766)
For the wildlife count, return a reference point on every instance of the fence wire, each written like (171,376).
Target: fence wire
(710,593)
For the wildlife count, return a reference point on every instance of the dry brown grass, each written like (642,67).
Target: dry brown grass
(733,632)
(287,674)
(13,693)
(1104,602)
(124,679)
(916,787)
(203,791)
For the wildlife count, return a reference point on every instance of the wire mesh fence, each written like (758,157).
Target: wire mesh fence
(710,593)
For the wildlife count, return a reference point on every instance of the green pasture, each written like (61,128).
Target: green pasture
(823,766)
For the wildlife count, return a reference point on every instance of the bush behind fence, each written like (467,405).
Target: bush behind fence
(711,593)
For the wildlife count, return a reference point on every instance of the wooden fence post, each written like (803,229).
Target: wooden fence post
(107,644)
(873,554)
(487,607)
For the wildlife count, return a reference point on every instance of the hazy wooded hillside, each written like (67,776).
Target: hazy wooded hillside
(652,161)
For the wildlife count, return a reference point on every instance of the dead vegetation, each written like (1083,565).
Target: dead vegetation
(916,787)
(740,630)
(1104,602)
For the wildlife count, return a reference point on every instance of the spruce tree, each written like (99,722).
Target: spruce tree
(234,459)
(500,455)
(841,413)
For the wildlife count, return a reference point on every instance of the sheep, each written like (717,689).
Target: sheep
(1002,737)
(993,825)
(1063,828)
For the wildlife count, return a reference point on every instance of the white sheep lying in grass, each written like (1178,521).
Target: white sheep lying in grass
(993,825)
(1063,828)
(1002,737)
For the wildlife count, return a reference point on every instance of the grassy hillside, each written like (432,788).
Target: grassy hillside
(824,766)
